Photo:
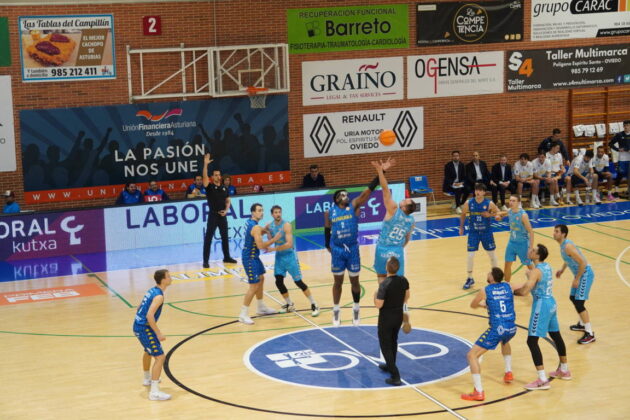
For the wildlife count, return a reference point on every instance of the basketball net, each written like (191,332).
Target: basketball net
(257,97)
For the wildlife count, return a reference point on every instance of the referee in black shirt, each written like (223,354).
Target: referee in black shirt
(391,300)
(219,202)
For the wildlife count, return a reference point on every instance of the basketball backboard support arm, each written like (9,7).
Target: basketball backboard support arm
(215,71)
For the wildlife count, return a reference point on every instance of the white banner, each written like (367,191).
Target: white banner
(433,76)
(357,132)
(579,19)
(345,81)
(7,131)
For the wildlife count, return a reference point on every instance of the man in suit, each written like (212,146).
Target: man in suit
(454,180)
(477,171)
(501,180)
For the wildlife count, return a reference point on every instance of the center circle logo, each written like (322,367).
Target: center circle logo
(335,357)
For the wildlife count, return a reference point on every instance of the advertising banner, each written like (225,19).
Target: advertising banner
(359,80)
(7,130)
(179,223)
(51,234)
(468,22)
(473,73)
(62,48)
(383,26)
(567,19)
(5,46)
(567,68)
(357,132)
(90,152)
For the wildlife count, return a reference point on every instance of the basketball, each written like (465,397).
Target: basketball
(387,137)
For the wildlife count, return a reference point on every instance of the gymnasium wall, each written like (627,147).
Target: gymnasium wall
(492,124)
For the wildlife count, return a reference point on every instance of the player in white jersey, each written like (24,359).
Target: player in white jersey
(581,171)
(601,167)
(524,175)
(557,168)
(542,172)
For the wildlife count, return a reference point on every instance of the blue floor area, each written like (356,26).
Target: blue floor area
(191,253)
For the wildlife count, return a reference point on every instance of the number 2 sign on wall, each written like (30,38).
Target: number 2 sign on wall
(151,25)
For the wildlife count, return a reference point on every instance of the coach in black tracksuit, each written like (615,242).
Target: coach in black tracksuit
(390,298)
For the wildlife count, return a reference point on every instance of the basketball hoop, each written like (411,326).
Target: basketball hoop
(257,96)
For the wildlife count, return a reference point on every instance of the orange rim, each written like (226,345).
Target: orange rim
(253,90)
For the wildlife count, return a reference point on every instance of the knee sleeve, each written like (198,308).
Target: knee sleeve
(532,343)
(301,285)
(559,342)
(579,305)
(280,285)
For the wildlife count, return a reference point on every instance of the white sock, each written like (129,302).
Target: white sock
(564,367)
(244,310)
(356,306)
(580,322)
(508,362)
(577,195)
(261,304)
(155,387)
(542,376)
(493,258)
(147,375)
(477,382)
(288,300)
(312,299)
(594,195)
(588,328)
(469,263)
(336,308)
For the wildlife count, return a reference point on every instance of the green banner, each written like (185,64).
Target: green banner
(5,50)
(348,28)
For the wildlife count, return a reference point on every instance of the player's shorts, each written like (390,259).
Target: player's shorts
(383,252)
(287,263)
(253,268)
(491,338)
(345,257)
(575,180)
(484,236)
(519,249)
(584,285)
(148,339)
(544,317)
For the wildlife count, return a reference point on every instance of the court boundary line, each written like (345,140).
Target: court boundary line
(618,266)
(93,274)
(410,386)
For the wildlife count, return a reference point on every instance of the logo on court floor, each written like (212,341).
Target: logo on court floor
(347,357)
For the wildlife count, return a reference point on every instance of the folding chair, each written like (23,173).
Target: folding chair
(420,185)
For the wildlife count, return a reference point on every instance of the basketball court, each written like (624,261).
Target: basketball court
(68,349)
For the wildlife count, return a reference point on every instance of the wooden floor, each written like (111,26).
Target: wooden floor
(77,358)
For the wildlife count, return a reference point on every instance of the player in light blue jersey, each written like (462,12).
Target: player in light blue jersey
(521,236)
(481,211)
(397,227)
(583,278)
(146,330)
(543,319)
(287,261)
(497,297)
(253,266)
(341,237)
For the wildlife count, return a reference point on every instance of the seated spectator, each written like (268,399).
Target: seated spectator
(155,193)
(130,195)
(10,205)
(581,171)
(227,183)
(196,189)
(313,179)
(524,175)
(501,180)
(601,166)
(547,143)
(542,173)
(454,180)
(477,171)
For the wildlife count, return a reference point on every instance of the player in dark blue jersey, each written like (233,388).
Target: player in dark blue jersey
(498,298)
(341,227)
(146,329)
(481,210)
(253,266)
(396,230)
